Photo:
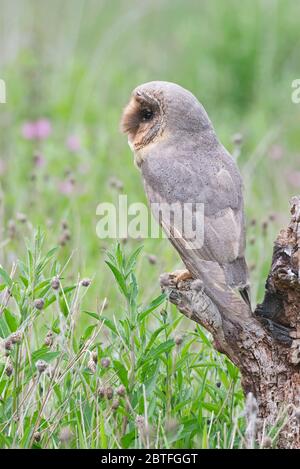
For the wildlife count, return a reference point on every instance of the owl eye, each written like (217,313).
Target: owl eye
(146,114)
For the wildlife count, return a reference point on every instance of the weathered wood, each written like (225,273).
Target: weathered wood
(265,346)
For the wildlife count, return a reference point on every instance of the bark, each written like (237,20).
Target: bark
(266,346)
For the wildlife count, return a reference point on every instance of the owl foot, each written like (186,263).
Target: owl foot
(181,276)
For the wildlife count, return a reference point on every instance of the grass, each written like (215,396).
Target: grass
(78,71)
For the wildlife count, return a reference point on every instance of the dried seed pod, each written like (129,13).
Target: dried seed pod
(121,390)
(11,228)
(109,392)
(55,283)
(16,337)
(178,340)
(115,404)
(65,435)
(140,422)
(237,138)
(39,303)
(49,339)
(41,366)
(92,365)
(94,356)
(37,436)
(8,344)
(21,217)
(267,442)
(9,368)
(105,362)
(101,392)
(152,259)
(85,282)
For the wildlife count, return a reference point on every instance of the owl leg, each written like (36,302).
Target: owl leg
(181,276)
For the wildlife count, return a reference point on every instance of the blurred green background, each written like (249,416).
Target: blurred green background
(75,63)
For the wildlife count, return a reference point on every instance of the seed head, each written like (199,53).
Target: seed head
(264,226)
(121,391)
(39,303)
(8,345)
(41,366)
(105,362)
(109,392)
(49,339)
(16,337)
(101,392)
(92,365)
(178,340)
(11,227)
(64,225)
(267,442)
(21,217)
(152,259)
(115,404)
(55,283)
(94,356)
(37,436)
(65,435)
(237,139)
(116,183)
(9,369)
(140,422)
(85,282)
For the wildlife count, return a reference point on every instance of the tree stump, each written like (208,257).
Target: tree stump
(265,346)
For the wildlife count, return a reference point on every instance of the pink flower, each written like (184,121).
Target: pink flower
(28,130)
(73,143)
(66,186)
(37,130)
(43,129)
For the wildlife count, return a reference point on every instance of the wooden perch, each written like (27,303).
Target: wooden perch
(265,346)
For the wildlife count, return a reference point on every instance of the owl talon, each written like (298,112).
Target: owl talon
(181,276)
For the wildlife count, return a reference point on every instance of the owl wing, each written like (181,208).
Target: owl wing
(217,254)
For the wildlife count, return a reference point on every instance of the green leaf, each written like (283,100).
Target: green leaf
(164,347)
(108,323)
(44,354)
(128,439)
(131,262)
(119,278)
(121,372)
(93,315)
(6,278)
(88,332)
(11,320)
(153,305)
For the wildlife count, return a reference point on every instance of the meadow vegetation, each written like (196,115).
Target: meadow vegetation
(92,355)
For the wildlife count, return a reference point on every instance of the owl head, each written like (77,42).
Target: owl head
(160,109)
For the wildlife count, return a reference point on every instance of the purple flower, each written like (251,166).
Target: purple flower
(39,160)
(43,129)
(73,143)
(28,130)
(66,186)
(37,130)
